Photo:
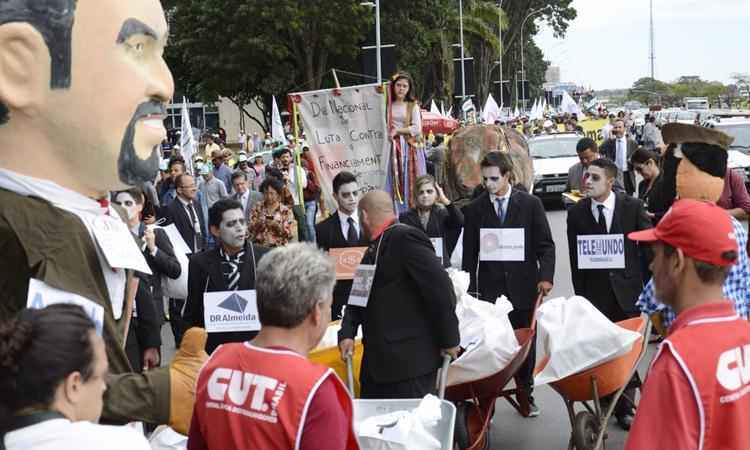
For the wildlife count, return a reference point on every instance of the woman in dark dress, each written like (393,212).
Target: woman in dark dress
(434,214)
(646,163)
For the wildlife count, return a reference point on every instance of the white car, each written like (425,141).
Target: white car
(553,155)
(739,151)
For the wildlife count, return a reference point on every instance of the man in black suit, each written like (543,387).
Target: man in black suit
(408,316)
(185,213)
(619,148)
(613,291)
(520,277)
(228,267)
(340,230)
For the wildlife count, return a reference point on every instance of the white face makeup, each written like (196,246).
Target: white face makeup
(128,203)
(233,228)
(347,198)
(426,196)
(494,181)
(597,184)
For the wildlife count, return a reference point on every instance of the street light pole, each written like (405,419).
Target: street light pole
(523,72)
(463,70)
(500,38)
(377,41)
(378,63)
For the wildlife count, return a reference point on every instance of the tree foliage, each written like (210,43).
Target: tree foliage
(650,91)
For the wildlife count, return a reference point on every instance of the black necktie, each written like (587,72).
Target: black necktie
(351,234)
(602,221)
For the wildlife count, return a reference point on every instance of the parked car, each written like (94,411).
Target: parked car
(553,155)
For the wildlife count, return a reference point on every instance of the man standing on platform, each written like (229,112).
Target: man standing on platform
(404,300)
(508,250)
(603,220)
(341,230)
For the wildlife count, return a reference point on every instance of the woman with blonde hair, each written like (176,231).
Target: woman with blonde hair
(434,214)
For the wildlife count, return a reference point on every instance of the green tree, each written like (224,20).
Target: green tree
(248,50)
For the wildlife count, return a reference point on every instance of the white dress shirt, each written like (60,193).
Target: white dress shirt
(621,153)
(506,197)
(344,219)
(609,209)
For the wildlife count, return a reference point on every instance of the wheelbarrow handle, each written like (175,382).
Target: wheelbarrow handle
(444,375)
(350,373)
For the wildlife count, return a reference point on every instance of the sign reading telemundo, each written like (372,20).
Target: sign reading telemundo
(230,311)
(601,251)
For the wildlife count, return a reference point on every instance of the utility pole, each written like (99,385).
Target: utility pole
(651,36)
(463,70)
(500,37)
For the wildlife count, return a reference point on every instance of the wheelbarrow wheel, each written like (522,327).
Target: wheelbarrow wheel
(585,430)
(461,428)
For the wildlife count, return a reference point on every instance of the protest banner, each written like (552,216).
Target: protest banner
(347,131)
(593,129)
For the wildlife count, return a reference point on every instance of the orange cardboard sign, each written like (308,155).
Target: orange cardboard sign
(347,259)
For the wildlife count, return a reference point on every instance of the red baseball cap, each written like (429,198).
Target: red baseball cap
(702,230)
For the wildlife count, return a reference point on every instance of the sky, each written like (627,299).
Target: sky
(607,45)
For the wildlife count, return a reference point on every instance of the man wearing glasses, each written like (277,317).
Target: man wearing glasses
(185,213)
(342,230)
(522,266)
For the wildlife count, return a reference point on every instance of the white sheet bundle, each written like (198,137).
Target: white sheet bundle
(402,430)
(577,337)
(486,334)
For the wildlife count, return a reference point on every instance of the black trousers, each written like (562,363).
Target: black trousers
(525,375)
(175,320)
(412,388)
(133,348)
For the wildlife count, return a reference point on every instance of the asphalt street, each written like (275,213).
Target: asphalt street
(509,431)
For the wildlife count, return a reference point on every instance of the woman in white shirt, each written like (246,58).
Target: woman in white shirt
(52,378)
(407,159)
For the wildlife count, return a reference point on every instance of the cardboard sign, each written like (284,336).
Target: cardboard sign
(502,244)
(41,295)
(230,311)
(347,259)
(363,278)
(117,244)
(438,244)
(601,251)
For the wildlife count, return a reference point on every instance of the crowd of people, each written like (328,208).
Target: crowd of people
(92,246)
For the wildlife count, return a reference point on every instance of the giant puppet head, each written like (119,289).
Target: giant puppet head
(83,87)
(694,163)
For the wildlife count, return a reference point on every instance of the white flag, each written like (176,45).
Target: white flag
(277,128)
(442,108)
(187,141)
(516,114)
(491,111)
(434,108)
(568,105)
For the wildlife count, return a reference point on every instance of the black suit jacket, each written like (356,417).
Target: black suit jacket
(328,235)
(598,285)
(205,275)
(515,279)
(175,213)
(410,315)
(147,321)
(444,223)
(609,150)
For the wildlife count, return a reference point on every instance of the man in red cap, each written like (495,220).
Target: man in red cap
(695,396)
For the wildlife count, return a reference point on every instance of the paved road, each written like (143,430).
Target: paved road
(551,430)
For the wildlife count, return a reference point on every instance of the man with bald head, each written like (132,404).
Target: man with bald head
(408,315)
